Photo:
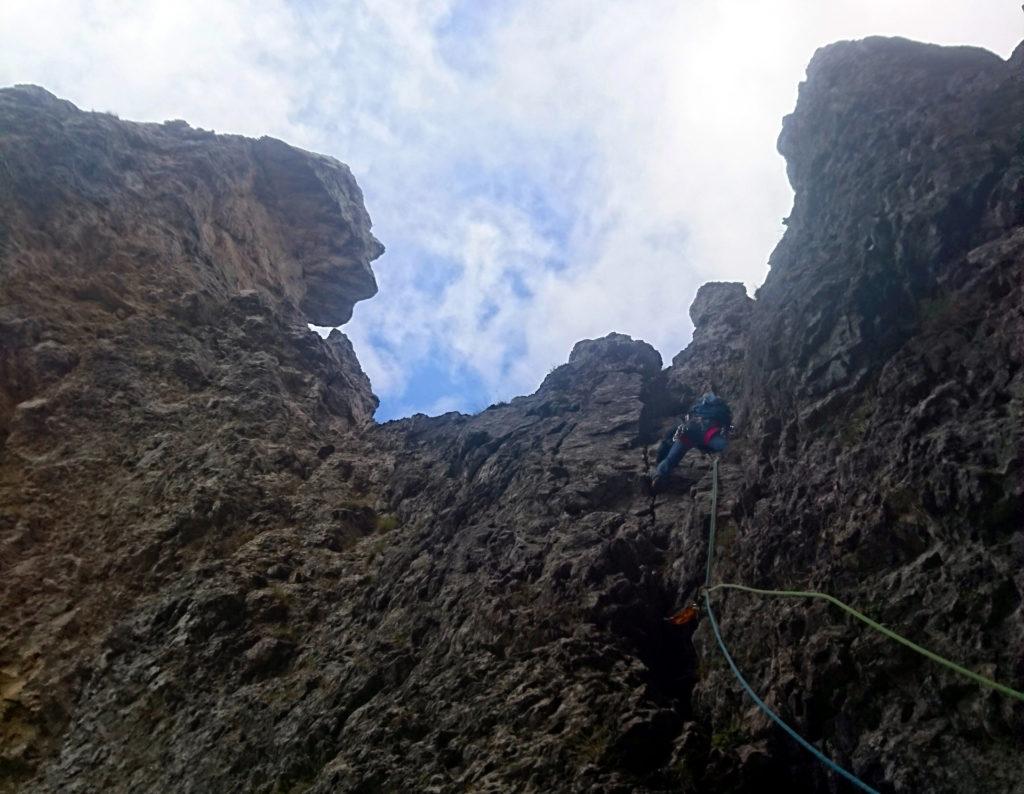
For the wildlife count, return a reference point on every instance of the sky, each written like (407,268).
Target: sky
(540,172)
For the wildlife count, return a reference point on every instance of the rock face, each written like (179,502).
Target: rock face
(219,574)
(883,386)
(160,393)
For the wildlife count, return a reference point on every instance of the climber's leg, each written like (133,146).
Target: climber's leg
(671,460)
(665,446)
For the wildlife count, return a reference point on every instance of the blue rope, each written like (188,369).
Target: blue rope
(721,644)
(764,707)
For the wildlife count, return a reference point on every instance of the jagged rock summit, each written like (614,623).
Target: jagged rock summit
(218,574)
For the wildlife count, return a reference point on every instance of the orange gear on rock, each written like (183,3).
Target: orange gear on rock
(684,616)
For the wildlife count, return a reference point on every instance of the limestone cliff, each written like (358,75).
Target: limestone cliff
(218,574)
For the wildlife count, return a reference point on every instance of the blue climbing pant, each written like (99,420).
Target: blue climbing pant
(692,437)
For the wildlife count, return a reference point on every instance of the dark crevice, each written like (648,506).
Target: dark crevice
(668,653)
(657,404)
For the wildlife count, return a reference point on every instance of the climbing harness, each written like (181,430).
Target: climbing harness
(708,588)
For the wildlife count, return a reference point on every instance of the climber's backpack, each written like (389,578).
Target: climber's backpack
(712,409)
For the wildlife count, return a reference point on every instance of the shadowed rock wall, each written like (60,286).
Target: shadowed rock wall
(220,575)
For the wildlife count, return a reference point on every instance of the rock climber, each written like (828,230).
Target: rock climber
(706,427)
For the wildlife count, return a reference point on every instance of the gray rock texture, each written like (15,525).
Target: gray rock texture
(217,573)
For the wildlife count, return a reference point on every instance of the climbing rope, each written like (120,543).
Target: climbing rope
(882,630)
(739,676)
(778,720)
(709,588)
(714,515)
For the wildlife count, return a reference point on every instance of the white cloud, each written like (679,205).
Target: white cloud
(217,65)
(540,172)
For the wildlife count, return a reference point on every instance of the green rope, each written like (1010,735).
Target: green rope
(882,630)
(977,677)
(708,589)
(714,515)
